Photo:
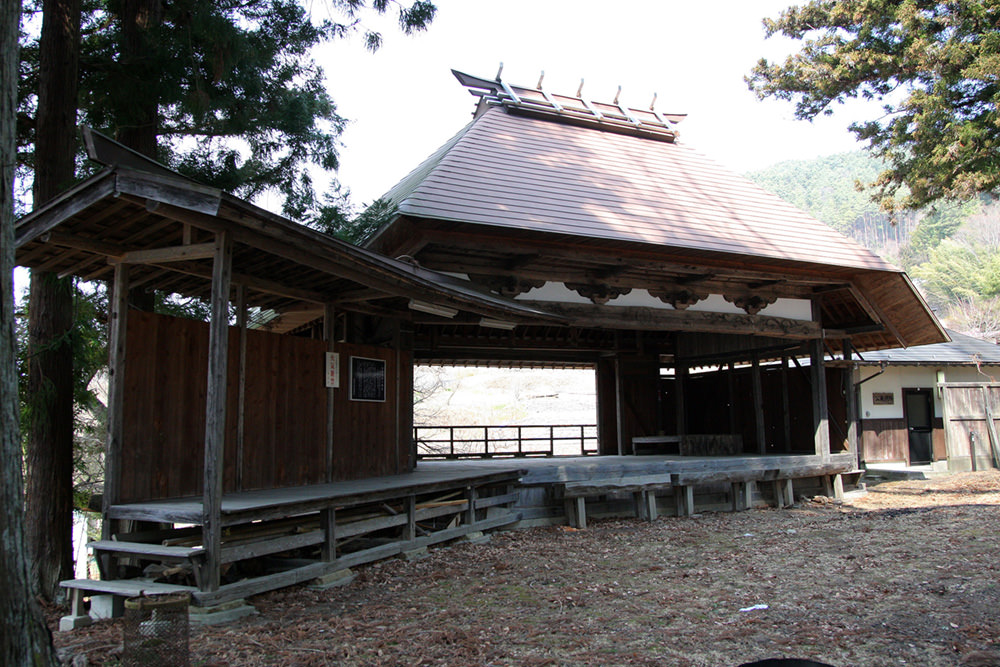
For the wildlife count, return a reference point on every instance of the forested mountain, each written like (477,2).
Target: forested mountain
(827,189)
(951,252)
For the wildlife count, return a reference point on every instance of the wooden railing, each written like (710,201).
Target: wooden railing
(469,442)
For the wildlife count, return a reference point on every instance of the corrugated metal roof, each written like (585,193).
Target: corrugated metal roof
(534,174)
(961,350)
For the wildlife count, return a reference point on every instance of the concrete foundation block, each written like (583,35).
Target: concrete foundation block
(477,537)
(332,580)
(220,613)
(67,623)
(414,554)
(107,606)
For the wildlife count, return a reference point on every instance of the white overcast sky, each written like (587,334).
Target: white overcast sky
(403,101)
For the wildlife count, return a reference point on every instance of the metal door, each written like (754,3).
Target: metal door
(918,410)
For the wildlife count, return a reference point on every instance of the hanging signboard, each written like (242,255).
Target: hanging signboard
(332,370)
(883,398)
(367,379)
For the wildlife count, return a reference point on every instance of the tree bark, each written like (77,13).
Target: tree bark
(139,130)
(49,455)
(24,637)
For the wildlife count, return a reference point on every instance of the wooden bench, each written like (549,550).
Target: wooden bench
(124,588)
(739,480)
(780,479)
(642,487)
(195,556)
(656,444)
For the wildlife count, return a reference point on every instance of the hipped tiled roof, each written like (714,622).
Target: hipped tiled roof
(527,173)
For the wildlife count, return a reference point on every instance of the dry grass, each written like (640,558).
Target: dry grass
(908,575)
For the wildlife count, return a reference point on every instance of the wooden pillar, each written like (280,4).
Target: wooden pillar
(215,409)
(606,387)
(118,305)
(731,386)
(680,380)
(328,520)
(241,322)
(821,428)
(619,406)
(851,401)
(410,529)
(786,404)
(758,406)
(329,325)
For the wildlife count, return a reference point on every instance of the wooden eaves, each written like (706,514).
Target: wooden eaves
(163,226)
(529,192)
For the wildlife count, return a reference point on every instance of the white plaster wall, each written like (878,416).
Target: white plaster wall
(895,378)
(796,309)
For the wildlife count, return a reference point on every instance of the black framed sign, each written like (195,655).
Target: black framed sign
(367,379)
(883,398)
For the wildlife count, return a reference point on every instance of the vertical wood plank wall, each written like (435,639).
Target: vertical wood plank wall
(884,440)
(967,408)
(285,412)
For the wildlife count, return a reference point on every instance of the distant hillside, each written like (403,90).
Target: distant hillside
(825,188)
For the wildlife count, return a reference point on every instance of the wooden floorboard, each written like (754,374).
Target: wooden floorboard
(345,493)
(431,475)
(584,468)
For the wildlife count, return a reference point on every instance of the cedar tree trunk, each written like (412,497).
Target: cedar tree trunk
(49,458)
(139,131)
(24,637)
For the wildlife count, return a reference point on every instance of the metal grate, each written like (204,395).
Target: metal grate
(156,631)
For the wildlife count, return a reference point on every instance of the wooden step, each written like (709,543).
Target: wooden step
(123,587)
(170,553)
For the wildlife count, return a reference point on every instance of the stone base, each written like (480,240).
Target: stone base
(222,613)
(477,537)
(332,580)
(67,623)
(106,606)
(414,554)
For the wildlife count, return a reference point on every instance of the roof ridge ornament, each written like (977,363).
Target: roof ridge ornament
(535,101)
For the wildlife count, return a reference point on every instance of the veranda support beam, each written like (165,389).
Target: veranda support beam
(657,319)
(215,409)
(758,406)
(169,254)
(821,420)
(116,397)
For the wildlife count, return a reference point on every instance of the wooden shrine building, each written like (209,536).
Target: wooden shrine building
(551,230)
(691,290)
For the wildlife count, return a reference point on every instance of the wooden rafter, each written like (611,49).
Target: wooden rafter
(655,319)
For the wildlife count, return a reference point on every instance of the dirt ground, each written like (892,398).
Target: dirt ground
(907,575)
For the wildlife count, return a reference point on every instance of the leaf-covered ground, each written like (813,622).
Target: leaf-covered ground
(907,575)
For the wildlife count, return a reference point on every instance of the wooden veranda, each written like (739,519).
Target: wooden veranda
(228,445)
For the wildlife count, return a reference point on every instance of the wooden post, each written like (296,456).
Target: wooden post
(786,409)
(684,497)
(118,304)
(619,407)
(821,428)
(471,494)
(680,380)
(328,520)
(215,409)
(241,322)
(410,529)
(758,405)
(851,400)
(991,427)
(329,324)
(731,386)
